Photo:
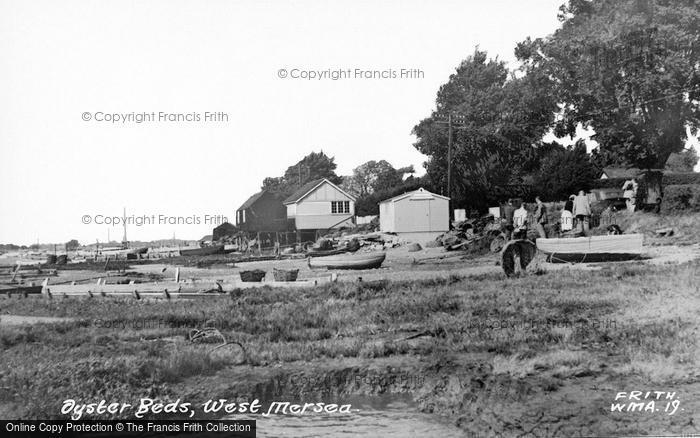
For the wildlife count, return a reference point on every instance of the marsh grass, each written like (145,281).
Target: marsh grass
(555,325)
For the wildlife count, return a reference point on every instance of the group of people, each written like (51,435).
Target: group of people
(576,212)
(517,220)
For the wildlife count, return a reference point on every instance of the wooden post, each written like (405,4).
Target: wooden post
(15,273)
(177,275)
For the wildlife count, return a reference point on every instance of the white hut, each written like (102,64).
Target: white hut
(417,216)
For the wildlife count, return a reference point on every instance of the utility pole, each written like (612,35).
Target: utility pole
(453,121)
(449,156)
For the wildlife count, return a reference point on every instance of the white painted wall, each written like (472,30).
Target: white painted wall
(314,211)
(419,213)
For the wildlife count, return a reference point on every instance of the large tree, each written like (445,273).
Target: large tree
(564,171)
(314,166)
(499,118)
(373,176)
(627,68)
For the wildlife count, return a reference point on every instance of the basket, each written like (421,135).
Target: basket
(255,275)
(285,274)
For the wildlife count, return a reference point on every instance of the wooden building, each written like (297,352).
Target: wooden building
(262,212)
(320,206)
(417,216)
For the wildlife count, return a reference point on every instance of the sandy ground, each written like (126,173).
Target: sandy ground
(400,264)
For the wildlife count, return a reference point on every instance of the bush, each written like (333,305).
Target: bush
(681,197)
(678,178)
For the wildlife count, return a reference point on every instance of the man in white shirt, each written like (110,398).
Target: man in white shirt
(520,217)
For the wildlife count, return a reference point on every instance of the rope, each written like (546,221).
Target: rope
(197,335)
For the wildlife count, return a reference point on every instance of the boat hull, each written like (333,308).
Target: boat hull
(354,261)
(328,252)
(592,249)
(207,250)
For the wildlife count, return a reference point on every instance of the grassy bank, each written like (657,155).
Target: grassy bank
(543,353)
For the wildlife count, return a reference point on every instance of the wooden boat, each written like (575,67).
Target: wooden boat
(205,250)
(326,252)
(592,249)
(349,261)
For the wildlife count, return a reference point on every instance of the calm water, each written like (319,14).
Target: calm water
(377,416)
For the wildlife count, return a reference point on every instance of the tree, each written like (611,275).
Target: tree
(369,204)
(501,118)
(72,245)
(684,161)
(627,68)
(314,166)
(376,175)
(564,171)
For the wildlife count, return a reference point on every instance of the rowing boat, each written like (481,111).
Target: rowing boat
(348,261)
(592,249)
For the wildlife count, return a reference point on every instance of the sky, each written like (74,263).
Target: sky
(226,93)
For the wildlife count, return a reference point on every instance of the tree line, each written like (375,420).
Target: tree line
(628,69)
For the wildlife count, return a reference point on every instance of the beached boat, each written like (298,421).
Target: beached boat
(326,252)
(592,249)
(349,261)
(205,250)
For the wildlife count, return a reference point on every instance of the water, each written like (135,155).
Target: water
(390,417)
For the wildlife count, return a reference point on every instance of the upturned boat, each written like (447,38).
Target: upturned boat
(205,250)
(349,261)
(592,249)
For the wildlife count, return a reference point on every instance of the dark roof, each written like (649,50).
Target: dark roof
(621,172)
(294,197)
(252,200)
(226,225)
(206,238)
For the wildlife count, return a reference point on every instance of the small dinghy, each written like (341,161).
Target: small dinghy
(349,261)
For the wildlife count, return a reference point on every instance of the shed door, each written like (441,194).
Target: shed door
(421,214)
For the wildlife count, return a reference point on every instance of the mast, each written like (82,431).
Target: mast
(125,242)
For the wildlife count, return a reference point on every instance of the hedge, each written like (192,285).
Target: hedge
(678,178)
(681,197)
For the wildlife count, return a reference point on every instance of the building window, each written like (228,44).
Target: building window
(339,207)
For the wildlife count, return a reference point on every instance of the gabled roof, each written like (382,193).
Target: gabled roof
(225,225)
(252,200)
(620,172)
(309,187)
(420,191)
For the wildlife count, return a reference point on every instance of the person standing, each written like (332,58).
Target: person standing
(540,218)
(520,222)
(567,215)
(582,211)
(508,212)
(630,194)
